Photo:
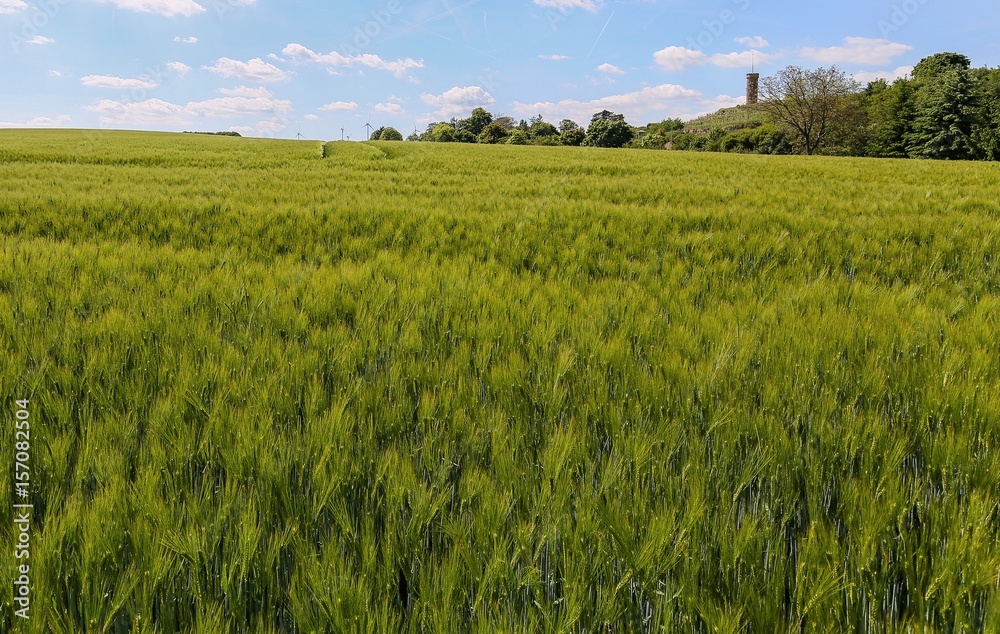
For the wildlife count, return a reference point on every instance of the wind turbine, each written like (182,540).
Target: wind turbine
(341,134)
(299,135)
(369,126)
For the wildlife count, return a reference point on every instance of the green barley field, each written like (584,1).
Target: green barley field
(284,386)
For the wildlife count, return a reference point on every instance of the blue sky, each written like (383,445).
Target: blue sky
(275,68)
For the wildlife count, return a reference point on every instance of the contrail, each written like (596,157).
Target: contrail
(601,35)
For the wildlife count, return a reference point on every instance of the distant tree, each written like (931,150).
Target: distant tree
(810,102)
(665,126)
(607,115)
(573,137)
(946,117)
(890,115)
(608,129)
(414,136)
(493,133)
(939,64)
(987,132)
(443,133)
(387,134)
(376,134)
(507,123)
(518,137)
(568,124)
(476,122)
(540,129)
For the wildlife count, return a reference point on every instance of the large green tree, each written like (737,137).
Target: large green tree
(946,117)
(890,117)
(812,103)
(987,131)
(608,129)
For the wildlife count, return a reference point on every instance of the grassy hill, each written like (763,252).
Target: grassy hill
(729,119)
(285,386)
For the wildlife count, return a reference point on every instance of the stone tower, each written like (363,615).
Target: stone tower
(753,88)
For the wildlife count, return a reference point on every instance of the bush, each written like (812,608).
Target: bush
(388,134)
(573,136)
(612,133)
(518,137)
(443,133)
(493,133)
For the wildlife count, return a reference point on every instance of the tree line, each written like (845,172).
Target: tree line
(944,110)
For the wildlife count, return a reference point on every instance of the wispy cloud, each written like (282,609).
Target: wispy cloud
(398,67)
(109,81)
(254,70)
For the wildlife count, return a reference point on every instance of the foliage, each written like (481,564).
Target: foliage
(938,65)
(226,133)
(518,137)
(946,115)
(541,129)
(493,133)
(476,122)
(424,388)
(568,125)
(608,130)
(812,103)
(388,134)
(890,118)
(766,139)
(573,136)
(443,133)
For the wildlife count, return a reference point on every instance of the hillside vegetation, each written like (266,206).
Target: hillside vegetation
(293,387)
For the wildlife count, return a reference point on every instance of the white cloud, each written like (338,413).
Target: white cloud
(12,6)
(555,58)
(186,40)
(754,41)
(399,67)
(163,112)
(393,109)
(650,103)
(610,69)
(41,40)
(237,106)
(180,68)
(340,105)
(149,111)
(38,122)
(168,8)
(677,58)
(271,125)
(888,75)
(245,91)
(312,117)
(54,73)
(458,101)
(744,59)
(569,5)
(242,129)
(107,81)
(254,70)
(864,51)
